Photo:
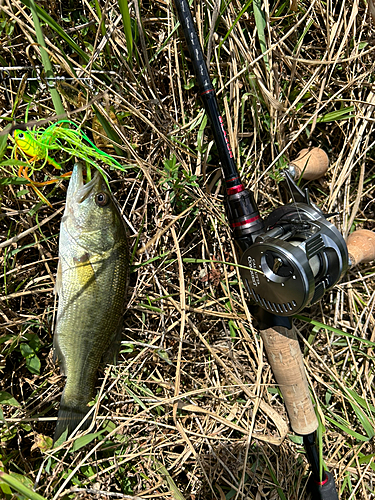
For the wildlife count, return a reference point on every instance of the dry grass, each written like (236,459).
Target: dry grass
(192,411)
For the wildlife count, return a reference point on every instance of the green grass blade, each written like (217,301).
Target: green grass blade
(57,28)
(334,116)
(201,133)
(19,487)
(100,16)
(347,429)
(111,133)
(334,330)
(365,459)
(176,493)
(124,9)
(243,10)
(151,308)
(4,141)
(136,398)
(260,21)
(56,99)
(165,43)
(85,440)
(361,401)
(362,417)
(274,479)
(301,38)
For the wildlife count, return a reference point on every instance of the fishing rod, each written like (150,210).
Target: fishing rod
(300,255)
(242,211)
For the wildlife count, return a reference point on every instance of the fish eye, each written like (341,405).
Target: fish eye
(101,199)
(20,135)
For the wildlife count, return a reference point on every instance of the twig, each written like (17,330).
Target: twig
(30,230)
(91,491)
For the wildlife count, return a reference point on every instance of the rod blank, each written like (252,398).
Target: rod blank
(207,94)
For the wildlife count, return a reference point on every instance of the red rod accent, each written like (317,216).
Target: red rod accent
(247,221)
(323,482)
(207,91)
(232,179)
(235,189)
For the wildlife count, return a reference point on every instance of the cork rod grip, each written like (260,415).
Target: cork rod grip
(285,358)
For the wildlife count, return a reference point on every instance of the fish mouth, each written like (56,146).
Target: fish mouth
(77,190)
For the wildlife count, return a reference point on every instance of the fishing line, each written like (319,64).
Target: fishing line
(293,197)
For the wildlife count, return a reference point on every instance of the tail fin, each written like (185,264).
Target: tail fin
(69,417)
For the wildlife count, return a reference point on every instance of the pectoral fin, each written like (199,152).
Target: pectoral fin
(58,355)
(58,283)
(85,270)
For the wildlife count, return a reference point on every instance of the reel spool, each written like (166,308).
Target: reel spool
(297,257)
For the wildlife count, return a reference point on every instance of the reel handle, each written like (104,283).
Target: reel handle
(285,358)
(310,164)
(361,246)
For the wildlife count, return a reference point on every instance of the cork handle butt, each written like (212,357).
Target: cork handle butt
(311,163)
(285,358)
(361,246)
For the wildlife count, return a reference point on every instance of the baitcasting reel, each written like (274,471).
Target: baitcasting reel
(297,257)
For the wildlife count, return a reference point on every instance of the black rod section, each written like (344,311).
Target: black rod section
(241,208)
(321,485)
(309,441)
(207,94)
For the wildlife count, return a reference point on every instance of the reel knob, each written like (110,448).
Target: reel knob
(310,164)
(361,246)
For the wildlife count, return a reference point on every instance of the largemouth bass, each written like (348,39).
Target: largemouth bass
(91,284)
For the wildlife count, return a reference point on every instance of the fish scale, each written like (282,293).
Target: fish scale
(91,285)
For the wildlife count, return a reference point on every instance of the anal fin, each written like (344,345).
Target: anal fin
(58,355)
